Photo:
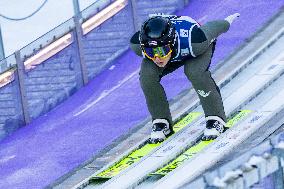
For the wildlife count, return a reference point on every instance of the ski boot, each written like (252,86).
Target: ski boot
(161,129)
(215,126)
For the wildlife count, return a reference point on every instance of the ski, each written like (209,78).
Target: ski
(188,154)
(142,150)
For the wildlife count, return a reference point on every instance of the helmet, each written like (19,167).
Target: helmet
(157,37)
(157,31)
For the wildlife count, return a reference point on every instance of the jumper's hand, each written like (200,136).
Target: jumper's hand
(232,17)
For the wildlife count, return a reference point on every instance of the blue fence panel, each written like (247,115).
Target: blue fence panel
(266,183)
(11,115)
(108,41)
(52,81)
(7,110)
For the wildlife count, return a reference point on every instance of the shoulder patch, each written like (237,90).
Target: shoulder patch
(184,33)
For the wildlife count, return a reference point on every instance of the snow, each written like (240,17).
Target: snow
(228,176)
(254,160)
(280,145)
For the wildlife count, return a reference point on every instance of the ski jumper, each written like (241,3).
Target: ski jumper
(193,49)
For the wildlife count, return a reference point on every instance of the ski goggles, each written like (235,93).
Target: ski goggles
(161,52)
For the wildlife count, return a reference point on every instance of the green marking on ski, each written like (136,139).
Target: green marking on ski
(137,154)
(197,148)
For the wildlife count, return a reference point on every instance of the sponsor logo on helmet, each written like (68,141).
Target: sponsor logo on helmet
(152,42)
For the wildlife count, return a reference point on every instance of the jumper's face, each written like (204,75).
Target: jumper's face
(162,62)
(159,55)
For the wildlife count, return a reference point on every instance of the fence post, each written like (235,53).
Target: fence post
(76,8)
(2,53)
(78,37)
(133,5)
(20,71)
(278,176)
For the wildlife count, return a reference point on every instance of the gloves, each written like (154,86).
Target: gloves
(232,17)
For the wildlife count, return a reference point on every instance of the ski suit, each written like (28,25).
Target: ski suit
(193,49)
